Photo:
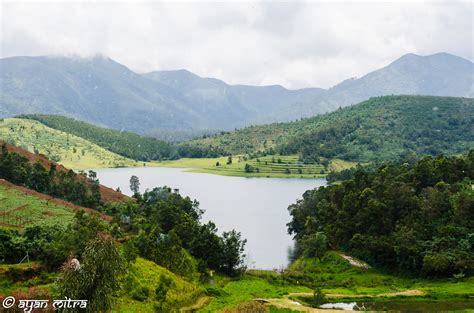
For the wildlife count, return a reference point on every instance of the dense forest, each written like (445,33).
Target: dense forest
(412,217)
(382,128)
(124,143)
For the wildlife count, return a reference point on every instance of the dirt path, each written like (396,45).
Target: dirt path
(355,262)
(411,292)
(199,304)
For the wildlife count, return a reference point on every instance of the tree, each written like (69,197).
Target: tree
(134,184)
(315,245)
(248,168)
(96,278)
(233,247)
(229,160)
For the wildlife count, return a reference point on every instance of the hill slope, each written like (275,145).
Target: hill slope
(69,150)
(123,143)
(101,91)
(106,194)
(97,89)
(106,93)
(440,74)
(232,105)
(378,129)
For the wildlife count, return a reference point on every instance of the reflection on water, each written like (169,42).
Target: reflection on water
(404,307)
(257,207)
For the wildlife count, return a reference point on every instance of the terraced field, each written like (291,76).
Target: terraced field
(18,210)
(273,166)
(268,166)
(69,150)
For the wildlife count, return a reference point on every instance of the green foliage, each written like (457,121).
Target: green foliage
(382,128)
(50,243)
(407,217)
(315,245)
(318,299)
(246,289)
(127,144)
(59,146)
(60,184)
(256,164)
(166,228)
(134,184)
(150,287)
(30,209)
(97,277)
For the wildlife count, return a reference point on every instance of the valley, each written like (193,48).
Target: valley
(287,201)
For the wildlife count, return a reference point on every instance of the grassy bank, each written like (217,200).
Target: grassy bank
(267,166)
(339,281)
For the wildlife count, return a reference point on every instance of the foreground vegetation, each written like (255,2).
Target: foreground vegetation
(411,218)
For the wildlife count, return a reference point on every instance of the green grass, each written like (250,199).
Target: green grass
(336,276)
(71,151)
(145,275)
(268,166)
(246,289)
(30,208)
(21,280)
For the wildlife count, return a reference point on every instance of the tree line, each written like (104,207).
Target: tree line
(411,217)
(62,184)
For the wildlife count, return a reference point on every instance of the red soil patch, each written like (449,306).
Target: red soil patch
(51,199)
(107,194)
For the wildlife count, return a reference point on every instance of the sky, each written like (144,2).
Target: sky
(295,44)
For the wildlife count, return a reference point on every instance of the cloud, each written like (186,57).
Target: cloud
(295,44)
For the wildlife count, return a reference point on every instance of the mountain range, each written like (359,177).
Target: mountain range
(103,92)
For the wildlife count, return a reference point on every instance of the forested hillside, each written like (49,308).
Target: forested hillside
(406,217)
(60,146)
(383,128)
(127,144)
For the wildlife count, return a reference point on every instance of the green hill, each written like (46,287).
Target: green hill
(19,209)
(383,128)
(127,144)
(69,150)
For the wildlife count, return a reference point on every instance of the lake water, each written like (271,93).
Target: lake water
(257,207)
(404,306)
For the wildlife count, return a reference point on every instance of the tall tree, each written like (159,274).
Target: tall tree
(134,184)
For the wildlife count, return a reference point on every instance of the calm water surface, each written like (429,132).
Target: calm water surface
(257,207)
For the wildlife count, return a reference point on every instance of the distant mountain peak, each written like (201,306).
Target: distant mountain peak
(441,56)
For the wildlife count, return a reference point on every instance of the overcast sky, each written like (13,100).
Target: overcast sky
(293,44)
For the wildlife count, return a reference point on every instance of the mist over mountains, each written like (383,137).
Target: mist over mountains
(101,91)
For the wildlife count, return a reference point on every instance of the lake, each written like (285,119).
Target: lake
(257,207)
